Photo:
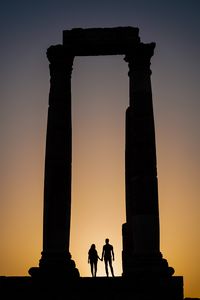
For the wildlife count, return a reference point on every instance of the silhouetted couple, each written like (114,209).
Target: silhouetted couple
(107,256)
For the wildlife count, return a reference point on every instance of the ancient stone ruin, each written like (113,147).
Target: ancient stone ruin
(144,268)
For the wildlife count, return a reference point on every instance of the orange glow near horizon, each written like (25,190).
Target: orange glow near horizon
(99,99)
(98,194)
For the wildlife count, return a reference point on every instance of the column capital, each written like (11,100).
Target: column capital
(58,53)
(60,67)
(139,58)
(59,57)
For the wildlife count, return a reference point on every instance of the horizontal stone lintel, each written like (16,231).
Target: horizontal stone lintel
(101,41)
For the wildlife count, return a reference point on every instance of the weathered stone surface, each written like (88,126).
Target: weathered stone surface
(100,41)
(97,288)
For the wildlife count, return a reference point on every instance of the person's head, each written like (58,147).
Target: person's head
(93,246)
(107,241)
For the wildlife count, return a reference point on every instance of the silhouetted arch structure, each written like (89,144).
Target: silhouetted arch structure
(141,254)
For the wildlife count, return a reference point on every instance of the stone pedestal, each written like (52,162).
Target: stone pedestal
(98,288)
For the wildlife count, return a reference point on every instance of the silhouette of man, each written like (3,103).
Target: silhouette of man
(93,259)
(108,256)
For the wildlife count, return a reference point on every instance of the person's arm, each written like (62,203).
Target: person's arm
(113,254)
(97,255)
(102,254)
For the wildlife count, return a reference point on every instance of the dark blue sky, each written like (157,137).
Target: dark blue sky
(27,29)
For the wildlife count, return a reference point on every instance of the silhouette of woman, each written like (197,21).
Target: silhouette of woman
(93,259)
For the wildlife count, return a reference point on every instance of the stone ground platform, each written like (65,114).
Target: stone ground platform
(103,288)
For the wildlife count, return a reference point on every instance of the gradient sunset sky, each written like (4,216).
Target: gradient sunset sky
(99,100)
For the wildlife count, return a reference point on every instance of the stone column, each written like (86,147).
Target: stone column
(56,258)
(141,245)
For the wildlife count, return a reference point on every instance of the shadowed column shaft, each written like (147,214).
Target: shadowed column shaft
(141,174)
(57,184)
(141,237)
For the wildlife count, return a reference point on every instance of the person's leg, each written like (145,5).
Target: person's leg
(111,267)
(106,266)
(95,269)
(92,268)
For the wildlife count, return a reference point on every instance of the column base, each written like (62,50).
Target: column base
(146,265)
(55,266)
(149,263)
